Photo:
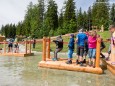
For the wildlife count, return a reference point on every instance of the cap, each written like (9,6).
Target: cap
(72,35)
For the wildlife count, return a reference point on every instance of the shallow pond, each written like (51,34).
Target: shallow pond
(18,71)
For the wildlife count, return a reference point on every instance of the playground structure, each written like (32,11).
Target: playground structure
(24,53)
(61,65)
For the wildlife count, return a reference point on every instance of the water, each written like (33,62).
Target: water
(18,71)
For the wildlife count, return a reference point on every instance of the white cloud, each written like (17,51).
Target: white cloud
(13,11)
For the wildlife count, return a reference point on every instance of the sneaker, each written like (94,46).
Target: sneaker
(84,61)
(69,62)
(77,62)
(81,64)
(54,59)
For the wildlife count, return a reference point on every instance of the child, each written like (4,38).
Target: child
(71,49)
(102,46)
(16,46)
(59,47)
(92,39)
(80,41)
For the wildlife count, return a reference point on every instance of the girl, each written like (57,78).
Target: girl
(92,39)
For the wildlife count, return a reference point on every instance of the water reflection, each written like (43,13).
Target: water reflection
(17,71)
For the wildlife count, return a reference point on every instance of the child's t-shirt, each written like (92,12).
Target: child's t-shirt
(92,42)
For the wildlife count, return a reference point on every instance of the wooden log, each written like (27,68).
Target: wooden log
(44,49)
(26,47)
(60,65)
(48,48)
(30,46)
(97,64)
(4,46)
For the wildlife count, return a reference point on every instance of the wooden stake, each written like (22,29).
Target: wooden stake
(26,46)
(44,49)
(97,64)
(4,46)
(30,47)
(48,48)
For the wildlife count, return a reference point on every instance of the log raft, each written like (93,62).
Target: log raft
(61,65)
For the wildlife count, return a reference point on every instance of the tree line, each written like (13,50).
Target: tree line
(43,19)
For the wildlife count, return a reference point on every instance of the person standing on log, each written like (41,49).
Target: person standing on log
(59,47)
(80,41)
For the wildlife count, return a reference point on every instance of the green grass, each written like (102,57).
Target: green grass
(104,35)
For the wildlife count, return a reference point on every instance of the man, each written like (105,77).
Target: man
(59,47)
(112,30)
(80,40)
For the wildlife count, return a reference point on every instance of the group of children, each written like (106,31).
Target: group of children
(10,45)
(86,45)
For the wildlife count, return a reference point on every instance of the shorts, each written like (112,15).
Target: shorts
(10,45)
(80,51)
(16,46)
(92,53)
(70,54)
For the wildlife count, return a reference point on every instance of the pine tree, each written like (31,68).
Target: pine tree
(79,19)
(51,18)
(112,14)
(89,16)
(60,20)
(100,13)
(70,16)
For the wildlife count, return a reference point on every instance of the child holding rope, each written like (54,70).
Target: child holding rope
(71,49)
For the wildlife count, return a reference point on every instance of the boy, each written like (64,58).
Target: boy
(59,47)
(71,49)
(80,40)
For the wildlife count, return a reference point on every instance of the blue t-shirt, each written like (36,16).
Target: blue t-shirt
(82,37)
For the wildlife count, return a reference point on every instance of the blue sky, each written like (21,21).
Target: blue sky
(13,11)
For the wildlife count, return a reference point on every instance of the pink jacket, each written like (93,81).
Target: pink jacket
(92,41)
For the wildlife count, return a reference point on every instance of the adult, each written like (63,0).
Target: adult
(59,47)
(16,45)
(34,43)
(10,45)
(112,30)
(80,41)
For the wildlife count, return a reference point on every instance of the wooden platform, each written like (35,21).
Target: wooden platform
(109,66)
(17,54)
(61,65)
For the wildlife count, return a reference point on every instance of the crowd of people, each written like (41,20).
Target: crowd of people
(86,46)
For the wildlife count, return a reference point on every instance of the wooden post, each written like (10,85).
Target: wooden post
(30,47)
(44,49)
(4,46)
(48,48)
(97,62)
(26,47)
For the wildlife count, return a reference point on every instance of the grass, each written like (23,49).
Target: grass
(104,35)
